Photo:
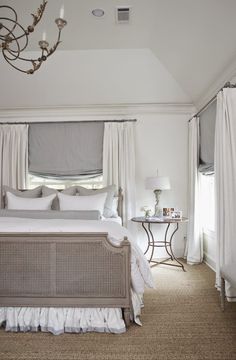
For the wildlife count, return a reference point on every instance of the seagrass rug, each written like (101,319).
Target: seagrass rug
(181,320)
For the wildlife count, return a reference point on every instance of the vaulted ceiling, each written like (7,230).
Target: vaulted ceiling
(193,39)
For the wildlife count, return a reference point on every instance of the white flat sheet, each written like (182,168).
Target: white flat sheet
(140,277)
(117,219)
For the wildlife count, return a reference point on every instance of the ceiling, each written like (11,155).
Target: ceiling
(193,39)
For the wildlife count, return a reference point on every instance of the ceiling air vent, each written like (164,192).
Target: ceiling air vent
(122,14)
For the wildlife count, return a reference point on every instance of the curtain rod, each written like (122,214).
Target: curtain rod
(65,122)
(226,85)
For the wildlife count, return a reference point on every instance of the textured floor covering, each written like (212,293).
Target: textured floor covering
(181,321)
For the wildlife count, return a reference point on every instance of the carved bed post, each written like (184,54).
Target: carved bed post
(120,203)
(127,316)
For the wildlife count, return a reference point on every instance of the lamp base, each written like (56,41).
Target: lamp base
(158,211)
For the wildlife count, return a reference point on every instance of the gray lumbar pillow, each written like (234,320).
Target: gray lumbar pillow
(110,190)
(34,193)
(46,191)
(49,214)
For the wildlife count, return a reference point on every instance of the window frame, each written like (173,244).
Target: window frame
(89,183)
(207,204)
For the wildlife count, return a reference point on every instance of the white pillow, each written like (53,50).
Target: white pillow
(90,202)
(18,203)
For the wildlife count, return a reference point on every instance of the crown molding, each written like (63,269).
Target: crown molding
(92,112)
(228,74)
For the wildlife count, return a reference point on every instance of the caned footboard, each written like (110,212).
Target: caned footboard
(65,270)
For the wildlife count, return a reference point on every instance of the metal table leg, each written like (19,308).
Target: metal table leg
(166,244)
(152,242)
(148,246)
(170,245)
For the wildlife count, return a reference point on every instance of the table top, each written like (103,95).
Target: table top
(158,220)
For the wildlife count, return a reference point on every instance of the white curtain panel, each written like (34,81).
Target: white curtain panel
(119,162)
(194,246)
(225,180)
(13,155)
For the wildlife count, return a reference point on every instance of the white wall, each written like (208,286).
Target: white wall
(162,144)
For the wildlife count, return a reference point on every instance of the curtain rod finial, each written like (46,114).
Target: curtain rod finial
(229,85)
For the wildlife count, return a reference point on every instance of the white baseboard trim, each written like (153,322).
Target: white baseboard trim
(209,261)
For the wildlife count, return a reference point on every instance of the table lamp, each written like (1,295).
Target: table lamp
(157,183)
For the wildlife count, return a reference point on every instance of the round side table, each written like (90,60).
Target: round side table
(168,238)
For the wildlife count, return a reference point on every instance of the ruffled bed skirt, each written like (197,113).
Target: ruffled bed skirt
(60,320)
(70,320)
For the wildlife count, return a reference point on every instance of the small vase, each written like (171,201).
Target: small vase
(147,214)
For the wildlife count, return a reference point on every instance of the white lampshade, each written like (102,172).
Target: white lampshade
(158,183)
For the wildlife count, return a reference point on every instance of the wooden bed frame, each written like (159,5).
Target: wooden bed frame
(65,270)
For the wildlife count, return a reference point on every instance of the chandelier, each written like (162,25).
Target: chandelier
(14,39)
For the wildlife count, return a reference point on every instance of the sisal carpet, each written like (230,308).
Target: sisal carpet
(181,320)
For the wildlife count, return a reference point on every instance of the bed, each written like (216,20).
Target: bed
(69,274)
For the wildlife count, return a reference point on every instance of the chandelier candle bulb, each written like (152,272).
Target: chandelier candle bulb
(44,36)
(62,12)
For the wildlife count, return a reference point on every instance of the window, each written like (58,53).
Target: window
(207,185)
(75,152)
(91,183)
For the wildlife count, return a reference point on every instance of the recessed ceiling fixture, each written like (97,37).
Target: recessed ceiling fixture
(14,38)
(98,12)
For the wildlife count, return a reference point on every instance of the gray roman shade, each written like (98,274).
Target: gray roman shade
(207,139)
(66,150)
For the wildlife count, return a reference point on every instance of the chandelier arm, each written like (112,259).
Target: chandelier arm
(54,47)
(11,45)
(37,17)
(14,53)
(30,60)
(16,38)
(15,21)
(16,58)
(9,62)
(7,51)
(36,64)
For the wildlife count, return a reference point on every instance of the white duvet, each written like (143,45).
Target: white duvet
(58,320)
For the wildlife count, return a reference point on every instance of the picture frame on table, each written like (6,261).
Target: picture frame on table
(172,213)
(176,214)
(167,212)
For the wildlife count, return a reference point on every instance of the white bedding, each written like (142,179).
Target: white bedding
(116,219)
(77,320)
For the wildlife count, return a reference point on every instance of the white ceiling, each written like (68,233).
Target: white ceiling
(193,39)
(128,76)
